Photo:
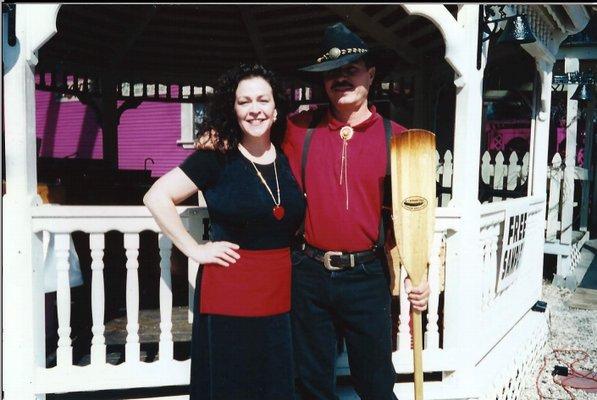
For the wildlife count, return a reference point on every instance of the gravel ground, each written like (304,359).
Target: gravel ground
(570,329)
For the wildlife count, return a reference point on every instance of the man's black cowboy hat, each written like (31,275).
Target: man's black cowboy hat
(339,47)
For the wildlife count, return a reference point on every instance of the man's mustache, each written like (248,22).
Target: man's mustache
(341,84)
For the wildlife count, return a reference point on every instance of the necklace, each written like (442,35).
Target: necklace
(278,210)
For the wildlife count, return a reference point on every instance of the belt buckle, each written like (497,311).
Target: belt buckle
(327,259)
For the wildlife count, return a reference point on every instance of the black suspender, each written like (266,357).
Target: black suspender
(316,118)
(386,193)
(387,125)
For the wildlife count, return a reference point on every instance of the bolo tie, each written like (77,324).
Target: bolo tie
(346,133)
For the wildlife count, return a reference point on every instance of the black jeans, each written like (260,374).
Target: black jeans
(355,303)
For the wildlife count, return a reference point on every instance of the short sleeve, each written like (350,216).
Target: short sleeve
(397,129)
(202,167)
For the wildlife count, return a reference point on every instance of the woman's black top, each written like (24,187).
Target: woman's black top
(239,205)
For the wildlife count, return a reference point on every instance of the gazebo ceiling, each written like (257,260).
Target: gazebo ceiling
(161,41)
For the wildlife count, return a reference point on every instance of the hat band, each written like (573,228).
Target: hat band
(335,52)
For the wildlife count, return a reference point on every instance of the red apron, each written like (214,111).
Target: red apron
(257,285)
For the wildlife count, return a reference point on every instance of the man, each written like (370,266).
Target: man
(340,277)
(340,283)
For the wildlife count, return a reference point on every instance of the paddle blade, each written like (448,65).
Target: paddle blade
(413,167)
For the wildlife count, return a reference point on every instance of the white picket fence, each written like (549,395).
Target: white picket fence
(503,180)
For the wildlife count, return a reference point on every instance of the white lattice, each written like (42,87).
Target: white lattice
(575,255)
(510,381)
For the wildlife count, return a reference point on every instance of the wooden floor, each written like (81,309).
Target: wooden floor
(149,327)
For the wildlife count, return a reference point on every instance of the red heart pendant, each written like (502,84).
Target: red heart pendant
(278,212)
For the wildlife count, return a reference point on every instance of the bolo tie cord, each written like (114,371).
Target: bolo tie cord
(346,134)
(344,169)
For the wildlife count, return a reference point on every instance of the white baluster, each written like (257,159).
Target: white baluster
(404,318)
(525,168)
(513,172)
(64,353)
(166,345)
(196,227)
(487,169)
(432,329)
(553,202)
(132,349)
(498,174)
(98,344)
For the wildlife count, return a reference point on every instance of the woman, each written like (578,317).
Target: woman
(241,344)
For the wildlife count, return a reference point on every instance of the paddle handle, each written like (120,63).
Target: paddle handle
(418,353)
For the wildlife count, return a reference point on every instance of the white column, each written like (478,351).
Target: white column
(539,149)
(22,274)
(540,131)
(570,65)
(564,266)
(464,259)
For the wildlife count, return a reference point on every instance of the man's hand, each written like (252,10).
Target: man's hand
(418,295)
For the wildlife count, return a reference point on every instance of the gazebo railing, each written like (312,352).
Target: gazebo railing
(512,257)
(96,221)
(502,306)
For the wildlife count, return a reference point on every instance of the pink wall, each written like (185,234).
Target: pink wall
(150,130)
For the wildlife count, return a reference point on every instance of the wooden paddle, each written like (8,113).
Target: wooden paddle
(413,210)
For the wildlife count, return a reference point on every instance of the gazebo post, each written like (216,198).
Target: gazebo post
(564,274)
(109,120)
(465,258)
(23,294)
(462,259)
(539,144)
(587,164)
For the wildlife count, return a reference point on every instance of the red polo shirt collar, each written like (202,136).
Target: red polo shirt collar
(334,124)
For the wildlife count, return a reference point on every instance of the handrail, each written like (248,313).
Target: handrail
(63,219)
(491,208)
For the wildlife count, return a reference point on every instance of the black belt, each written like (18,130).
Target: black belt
(337,260)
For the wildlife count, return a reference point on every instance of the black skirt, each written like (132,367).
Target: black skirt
(240,358)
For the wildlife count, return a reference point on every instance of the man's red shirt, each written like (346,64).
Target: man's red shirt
(328,224)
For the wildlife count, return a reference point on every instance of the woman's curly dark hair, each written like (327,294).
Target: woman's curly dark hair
(220,116)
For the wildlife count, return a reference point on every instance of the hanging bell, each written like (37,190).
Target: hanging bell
(517,31)
(583,93)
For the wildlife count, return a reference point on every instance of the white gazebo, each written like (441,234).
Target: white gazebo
(488,339)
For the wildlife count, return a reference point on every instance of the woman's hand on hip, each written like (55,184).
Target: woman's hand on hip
(221,253)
